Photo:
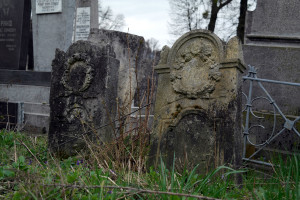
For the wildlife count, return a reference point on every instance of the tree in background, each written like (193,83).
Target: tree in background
(216,6)
(152,44)
(187,15)
(219,16)
(108,21)
(244,5)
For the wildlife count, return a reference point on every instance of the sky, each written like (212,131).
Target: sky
(147,18)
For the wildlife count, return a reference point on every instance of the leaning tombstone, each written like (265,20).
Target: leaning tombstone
(198,103)
(82,97)
(14,33)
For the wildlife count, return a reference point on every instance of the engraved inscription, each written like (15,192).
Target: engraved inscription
(196,69)
(5,8)
(7,26)
(83,23)
(48,6)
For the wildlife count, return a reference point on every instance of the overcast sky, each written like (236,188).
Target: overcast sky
(144,18)
(149,18)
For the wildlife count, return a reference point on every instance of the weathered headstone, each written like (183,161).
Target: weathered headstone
(83,96)
(198,102)
(129,50)
(14,33)
(135,72)
(272,45)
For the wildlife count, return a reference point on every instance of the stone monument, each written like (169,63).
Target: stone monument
(14,33)
(135,72)
(272,36)
(129,50)
(198,102)
(83,96)
(86,18)
(52,23)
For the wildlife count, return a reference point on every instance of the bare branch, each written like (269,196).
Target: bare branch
(107,20)
(224,4)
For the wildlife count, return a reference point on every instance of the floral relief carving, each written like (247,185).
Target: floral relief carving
(78,73)
(195,70)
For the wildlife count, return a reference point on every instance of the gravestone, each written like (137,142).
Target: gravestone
(135,72)
(83,23)
(129,50)
(86,18)
(272,45)
(83,96)
(56,20)
(14,33)
(197,114)
(52,27)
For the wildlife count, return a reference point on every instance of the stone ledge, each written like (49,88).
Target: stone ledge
(234,63)
(162,68)
(20,77)
(278,39)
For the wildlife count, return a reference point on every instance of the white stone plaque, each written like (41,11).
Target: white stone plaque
(83,23)
(48,6)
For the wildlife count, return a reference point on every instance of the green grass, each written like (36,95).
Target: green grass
(34,174)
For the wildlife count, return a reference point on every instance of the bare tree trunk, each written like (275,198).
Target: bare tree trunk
(242,19)
(213,16)
(214,12)
(189,19)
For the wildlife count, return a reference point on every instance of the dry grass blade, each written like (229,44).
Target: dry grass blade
(21,142)
(132,189)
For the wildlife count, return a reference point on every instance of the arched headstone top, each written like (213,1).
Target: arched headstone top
(196,38)
(198,100)
(194,62)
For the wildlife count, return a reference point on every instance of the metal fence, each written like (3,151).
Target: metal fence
(249,114)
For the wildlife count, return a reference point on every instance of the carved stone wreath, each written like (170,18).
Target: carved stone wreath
(78,73)
(195,70)
(76,112)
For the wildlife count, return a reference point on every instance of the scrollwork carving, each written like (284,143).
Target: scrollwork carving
(195,70)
